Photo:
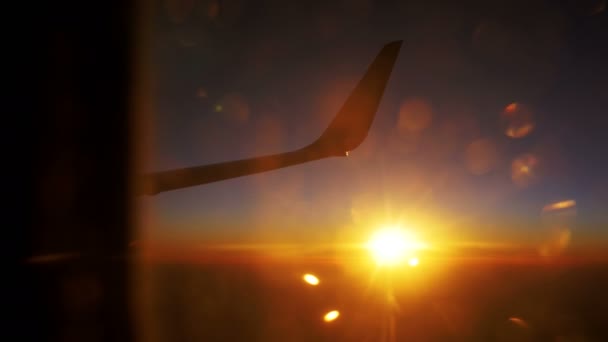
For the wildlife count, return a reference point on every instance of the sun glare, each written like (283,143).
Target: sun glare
(413,262)
(331,316)
(391,245)
(311,279)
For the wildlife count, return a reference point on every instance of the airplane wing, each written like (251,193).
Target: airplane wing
(345,133)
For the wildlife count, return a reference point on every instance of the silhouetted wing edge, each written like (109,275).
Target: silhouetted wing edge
(345,133)
(350,126)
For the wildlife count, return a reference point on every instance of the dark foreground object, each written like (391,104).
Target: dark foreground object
(73,93)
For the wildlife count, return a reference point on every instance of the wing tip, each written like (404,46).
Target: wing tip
(396,44)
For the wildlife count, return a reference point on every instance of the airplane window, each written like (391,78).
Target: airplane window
(371,171)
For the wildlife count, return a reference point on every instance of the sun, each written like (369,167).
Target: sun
(391,245)
(413,262)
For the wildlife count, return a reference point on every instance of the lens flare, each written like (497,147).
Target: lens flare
(558,221)
(524,170)
(202,93)
(556,242)
(415,115)
(481,156)
(310,279)
(518,321)
(331,316)
(517,120)
(561,205)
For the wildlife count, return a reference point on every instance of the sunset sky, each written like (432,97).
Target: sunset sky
(494,111)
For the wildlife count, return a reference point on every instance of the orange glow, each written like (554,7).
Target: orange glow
(511,108)
(560,205)
(557,241)
(518,321)
(414,115)
(524,170)
(481,156)
(331,316)
(213,10)
(413,262)
(311,279)
(517,120)
(391,245)
(519,132)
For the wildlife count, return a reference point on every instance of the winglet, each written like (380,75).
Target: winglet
(350,126)
(345,133)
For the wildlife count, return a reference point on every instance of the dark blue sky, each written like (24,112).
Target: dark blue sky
(236,79)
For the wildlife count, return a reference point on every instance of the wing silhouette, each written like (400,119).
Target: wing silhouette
(345,133)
